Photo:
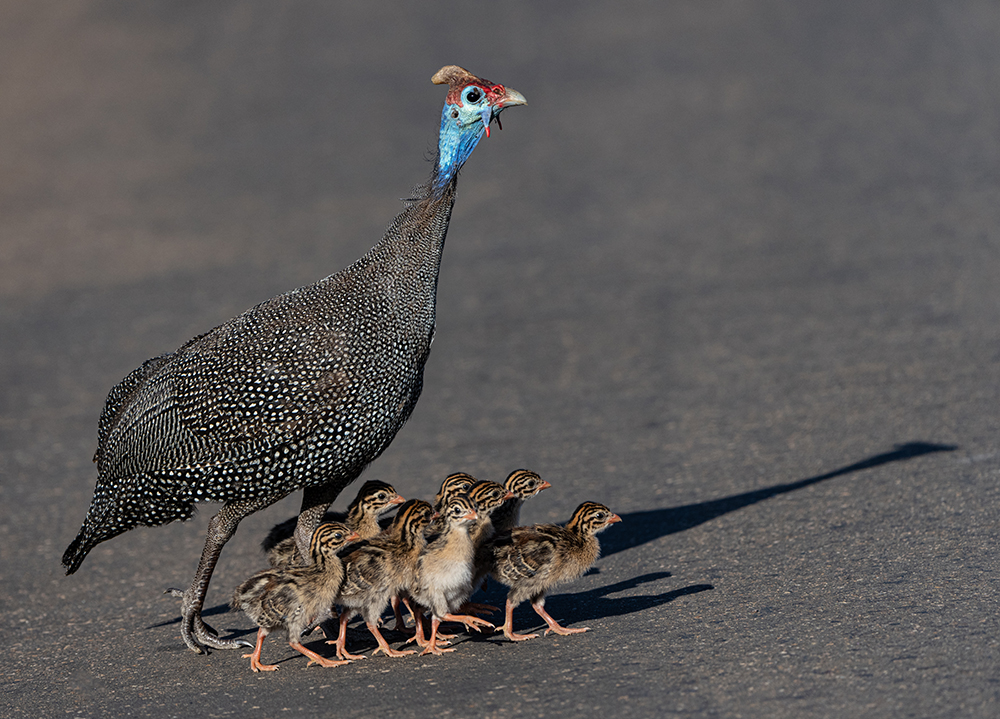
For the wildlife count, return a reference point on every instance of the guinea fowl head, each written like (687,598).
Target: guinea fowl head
(328,539)
(524,483)
(488,496)
(472,104)
(591,518)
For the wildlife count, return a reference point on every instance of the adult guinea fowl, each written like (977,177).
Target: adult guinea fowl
(302,391)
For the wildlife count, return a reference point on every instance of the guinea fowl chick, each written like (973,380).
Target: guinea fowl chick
(296,598)
(524,484)
(453,484)
(530,560)
(489,497)
(373,499)
(444,572)
(378,569)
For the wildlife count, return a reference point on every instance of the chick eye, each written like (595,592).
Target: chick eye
(474,94)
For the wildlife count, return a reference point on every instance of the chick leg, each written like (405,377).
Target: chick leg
(468,620)
(341,639)
(508,625)
(383,645)
(554,626)
(432,647)
(255,655)
(314,658)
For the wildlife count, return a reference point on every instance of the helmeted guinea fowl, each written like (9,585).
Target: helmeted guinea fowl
(302,391)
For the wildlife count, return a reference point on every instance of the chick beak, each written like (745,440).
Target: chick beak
(509,495)
(614,518)
(545,485)
(396,500)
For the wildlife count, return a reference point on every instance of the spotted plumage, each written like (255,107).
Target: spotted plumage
(296,598)
(531,560)
(302,391)
(378,569)
(373,499)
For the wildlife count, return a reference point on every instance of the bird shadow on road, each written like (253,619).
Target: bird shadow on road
(579,607)
(639,528)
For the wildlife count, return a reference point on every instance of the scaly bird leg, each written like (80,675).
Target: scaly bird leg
(432,647)
(477,609)
(508,626)
(383,645)
(314,658)
(197,635)
(341,640)
(468,620)
(554,626)
(255,655)
(397,604)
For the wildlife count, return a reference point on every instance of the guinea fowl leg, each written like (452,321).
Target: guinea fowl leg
(314,658)
(315,502)
(255,655)
(554,626)
(432,644)
(197,635)
(508,626)
(398,613)
(383,645)
(341,640)
(468,620)
(477,608)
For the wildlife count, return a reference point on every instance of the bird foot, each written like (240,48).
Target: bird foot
(324,662)
(469,621)
(343,653)
(565,630)
(435,649)
(477,609)
(197,635)
(257,666)
(514,636)
(390,652)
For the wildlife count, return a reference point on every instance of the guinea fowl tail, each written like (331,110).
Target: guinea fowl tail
(76,552)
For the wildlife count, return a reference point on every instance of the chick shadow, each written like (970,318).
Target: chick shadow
(638,528)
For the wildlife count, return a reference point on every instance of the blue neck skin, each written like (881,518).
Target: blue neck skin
(455,143)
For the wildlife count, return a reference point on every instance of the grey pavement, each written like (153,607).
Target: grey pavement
(733,272)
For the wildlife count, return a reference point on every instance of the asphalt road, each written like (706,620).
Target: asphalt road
(733,272)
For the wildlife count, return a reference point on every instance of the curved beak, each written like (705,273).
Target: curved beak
(544,485)
(510,98)
(396,500)
(614,518)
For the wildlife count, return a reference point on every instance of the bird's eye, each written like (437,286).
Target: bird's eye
(474,94)
(381,496)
